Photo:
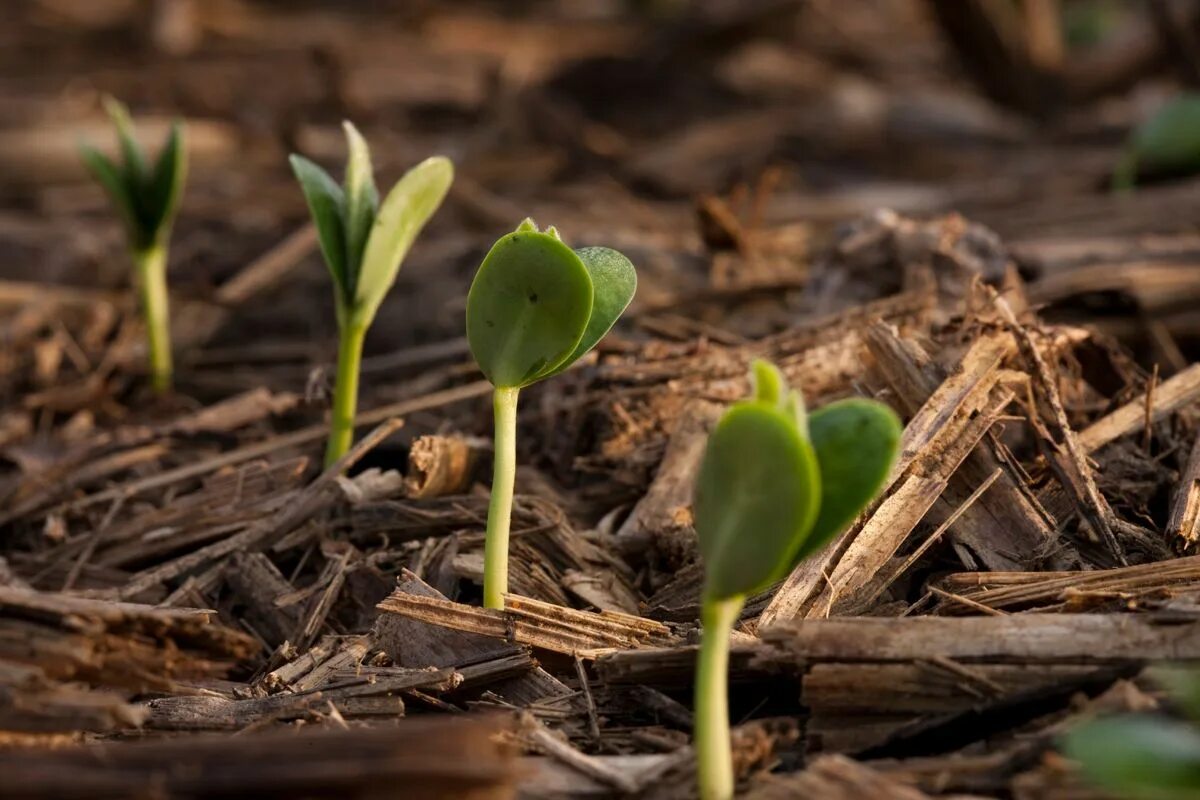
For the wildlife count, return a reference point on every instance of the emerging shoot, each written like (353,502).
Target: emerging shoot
(1166,143)
(776,484)
(535,308)
(363,242)
(146,198)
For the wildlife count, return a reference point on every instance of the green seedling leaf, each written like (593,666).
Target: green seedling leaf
(109,176)
(767,383)
(1182,685)
(1169,141)
(1138,757)
(856,442)
(166,182)
(325,203)
(528,307)
(757,497)
(614,281)
(361,201)
(401,216)
(131,151)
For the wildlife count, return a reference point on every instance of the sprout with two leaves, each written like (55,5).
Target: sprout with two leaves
(146,197)
(535,308)
(363,242)
(776,484)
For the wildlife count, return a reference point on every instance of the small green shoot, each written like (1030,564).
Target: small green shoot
(363,242)
(146,198)
(535,308)
(776,484)
(1140,756)
(1168,142)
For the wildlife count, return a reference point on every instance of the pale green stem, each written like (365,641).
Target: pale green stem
(504,473)
(151,263)
(345,391)
(714,759)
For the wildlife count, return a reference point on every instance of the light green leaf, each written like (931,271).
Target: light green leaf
(131,151)
(325,204)
(528,307)
(856,442)
(614,282)
(112,180)
(767,382)
(167,180)
(362,202)
(400,219)
(757,496)
(1138,757)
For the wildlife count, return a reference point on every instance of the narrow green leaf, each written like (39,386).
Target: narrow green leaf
(131,151)
(614,282)
(362,202)
(1138,757)
(401,217)
(856,442)
(757,496)
(167,180)
(528,307)
(767,382)
(325,203)
(109,176)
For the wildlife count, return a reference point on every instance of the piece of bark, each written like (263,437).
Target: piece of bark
(256,582)
(1059,591)
(1092,639)
(662,520)
(1173,394)
(833,778)
(535,623)
(421,759)
(1004,524)
(439,465)
(1183,525)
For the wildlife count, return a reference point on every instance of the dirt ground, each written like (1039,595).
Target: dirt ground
(903,199)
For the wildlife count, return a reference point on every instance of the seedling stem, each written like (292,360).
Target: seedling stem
(151,263)
(345,391)
(712,701)
(495,553)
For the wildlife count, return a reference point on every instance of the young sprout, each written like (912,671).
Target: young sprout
(146,198)
(1142,755)
(776,484)
(1167,142)
(535,308)
(363,242)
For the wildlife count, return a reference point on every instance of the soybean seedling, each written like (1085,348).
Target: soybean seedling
(1144,756)
(363,242)
(146,198)
(535,308)
(775,485)
(1167,142)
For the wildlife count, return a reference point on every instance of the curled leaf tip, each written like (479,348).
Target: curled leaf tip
(767,383)
(527,226)
(552,231)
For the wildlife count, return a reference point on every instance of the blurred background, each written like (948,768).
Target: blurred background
(718,142)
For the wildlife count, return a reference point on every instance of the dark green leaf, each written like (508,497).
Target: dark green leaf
(614,282)
(1138,757)
(757,496)
(113,181)
(325,203)
(1168,142)
(166,184)
(401,216)
(856,442)
(528,307)
(362,202)
(131,151)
